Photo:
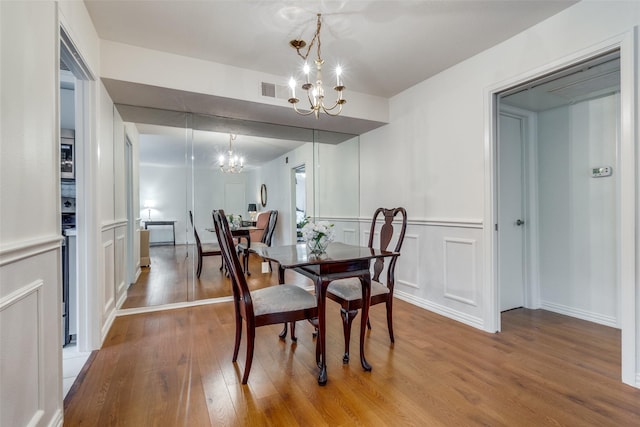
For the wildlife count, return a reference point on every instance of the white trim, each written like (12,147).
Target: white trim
(112,225)
(601,319)
(435,222)
(628,44)
(442,310)
(172,306)
(20,293)
(57,419)
(28,248)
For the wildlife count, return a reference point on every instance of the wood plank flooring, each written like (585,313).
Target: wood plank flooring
(173,368)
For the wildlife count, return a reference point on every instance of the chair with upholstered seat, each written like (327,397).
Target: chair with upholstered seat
(203,251)
(266,306)
(265,240)
(348,292)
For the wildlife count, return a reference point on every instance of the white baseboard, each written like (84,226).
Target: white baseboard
(56,420)
(580,314)
(107,326)
(473,321)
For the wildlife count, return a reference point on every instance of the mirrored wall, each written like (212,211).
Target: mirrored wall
(298,172)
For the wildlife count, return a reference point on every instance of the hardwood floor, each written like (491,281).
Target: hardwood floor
(170,278)
(173,368)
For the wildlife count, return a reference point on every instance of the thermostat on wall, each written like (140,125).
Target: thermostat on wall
(602,171)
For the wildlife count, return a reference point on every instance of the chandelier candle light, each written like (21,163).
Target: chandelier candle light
(315,92)
(234,164)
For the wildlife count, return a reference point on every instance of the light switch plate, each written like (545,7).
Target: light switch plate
(601,171)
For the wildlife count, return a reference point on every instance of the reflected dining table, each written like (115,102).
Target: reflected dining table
(338,262)
(243,232)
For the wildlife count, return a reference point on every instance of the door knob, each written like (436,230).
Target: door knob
(519,222)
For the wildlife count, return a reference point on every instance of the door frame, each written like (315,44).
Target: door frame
(530,259)
(626,203)
(89,329)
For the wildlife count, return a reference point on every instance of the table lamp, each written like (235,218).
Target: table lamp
(148,204)
(252,209)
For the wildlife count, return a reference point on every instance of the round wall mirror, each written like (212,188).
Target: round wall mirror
(263,195)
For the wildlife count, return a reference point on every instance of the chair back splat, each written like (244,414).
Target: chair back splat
(386,234)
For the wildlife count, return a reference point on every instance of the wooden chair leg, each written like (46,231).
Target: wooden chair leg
(368,324)
(236,347)
(199,268)
(390,320)
(251,337)
(347,319)
(293,332)
(246,255)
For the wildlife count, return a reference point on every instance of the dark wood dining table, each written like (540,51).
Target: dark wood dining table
(338,262)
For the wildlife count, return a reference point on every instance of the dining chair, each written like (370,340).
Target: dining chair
(261,307)
(348,292)
(204,251)
(265,241)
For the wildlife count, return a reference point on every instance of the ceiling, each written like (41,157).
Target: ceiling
(384,47)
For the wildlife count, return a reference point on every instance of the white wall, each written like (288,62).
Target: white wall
(30,256)
(431,159)
(577,213)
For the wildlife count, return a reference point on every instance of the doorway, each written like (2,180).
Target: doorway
(300,199)
(557,192)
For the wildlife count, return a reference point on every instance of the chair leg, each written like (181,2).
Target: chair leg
(293,332)
(368,324)
(199,268)
(251,336)
(245,257)
(236,346)
(390,319)
(347,319)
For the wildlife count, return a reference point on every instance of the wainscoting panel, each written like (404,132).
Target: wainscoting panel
(459,266)
(408,266)
(22,347)
(350,236)
(108,276)
(120,265)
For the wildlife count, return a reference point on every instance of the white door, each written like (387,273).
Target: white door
(510,213)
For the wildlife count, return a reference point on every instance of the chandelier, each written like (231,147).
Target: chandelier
(233,163)
(315,91)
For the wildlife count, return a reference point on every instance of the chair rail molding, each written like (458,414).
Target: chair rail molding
(28,248)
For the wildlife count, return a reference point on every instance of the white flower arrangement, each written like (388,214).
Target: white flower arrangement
(234,221)
(318,235)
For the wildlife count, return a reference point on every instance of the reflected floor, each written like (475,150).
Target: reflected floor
(171,278)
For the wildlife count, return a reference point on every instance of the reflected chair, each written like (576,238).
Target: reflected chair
(265,240)
(267,306)
(348,292)
(204,251)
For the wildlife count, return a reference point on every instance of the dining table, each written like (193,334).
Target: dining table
(339,261)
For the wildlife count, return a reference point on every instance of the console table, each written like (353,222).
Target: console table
(172,223)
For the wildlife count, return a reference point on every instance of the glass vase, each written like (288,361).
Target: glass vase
(318,246)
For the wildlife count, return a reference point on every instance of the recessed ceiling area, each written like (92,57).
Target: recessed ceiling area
(593,78)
